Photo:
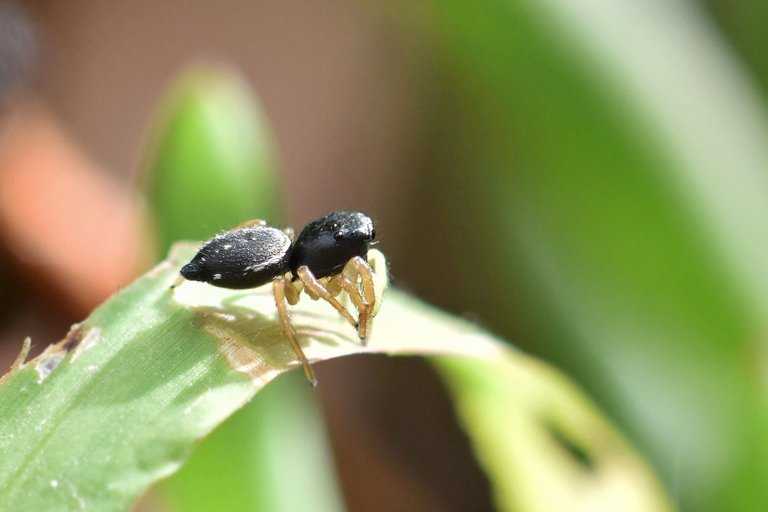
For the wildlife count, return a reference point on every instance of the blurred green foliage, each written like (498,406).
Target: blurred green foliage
(543,445)
(256,459)
(211,162)
(606,162)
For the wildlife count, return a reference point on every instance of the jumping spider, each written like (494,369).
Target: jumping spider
(329,256)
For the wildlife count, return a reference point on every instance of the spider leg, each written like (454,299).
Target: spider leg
(379,276)
(365,273)
(293,291)
(250,224)
(290,233)
(176,282)
(364,270)
(342,282)
(281,285)
(313,285)
(333,286)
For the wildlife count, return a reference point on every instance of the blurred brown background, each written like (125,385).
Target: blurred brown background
(331,77)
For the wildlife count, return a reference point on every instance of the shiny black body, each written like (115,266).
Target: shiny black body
(253,256)
(242,258)
(327,244)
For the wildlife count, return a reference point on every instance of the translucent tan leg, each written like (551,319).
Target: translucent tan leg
(281,285)
(365,273)
(313,285)
(341,282)
(333,286)
(363,310)
(290,233)
(293,291)
(250,224)
(380,278)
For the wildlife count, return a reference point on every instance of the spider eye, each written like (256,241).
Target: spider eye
(338,236)
(373,234)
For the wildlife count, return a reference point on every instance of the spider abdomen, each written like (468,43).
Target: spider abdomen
(243,258)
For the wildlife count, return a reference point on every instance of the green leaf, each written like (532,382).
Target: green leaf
(259,455)
(122,400)
(544,446)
